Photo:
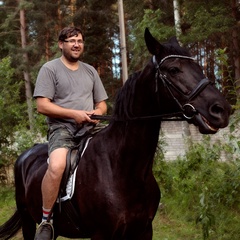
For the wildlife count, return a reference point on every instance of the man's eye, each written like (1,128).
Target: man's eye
(73,42)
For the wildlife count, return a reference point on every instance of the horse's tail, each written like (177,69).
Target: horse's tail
(11,227)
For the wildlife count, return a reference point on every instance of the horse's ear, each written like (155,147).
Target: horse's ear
(174,41)
(154,47)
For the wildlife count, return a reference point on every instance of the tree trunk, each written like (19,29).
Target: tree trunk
(28,90)
(235,41)
(122,41)
(73,7)
(177,17)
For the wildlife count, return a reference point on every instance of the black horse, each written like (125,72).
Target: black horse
(116,196)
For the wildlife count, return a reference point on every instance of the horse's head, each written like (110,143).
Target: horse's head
(180,78)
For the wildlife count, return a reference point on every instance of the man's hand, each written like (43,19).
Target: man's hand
(83,116)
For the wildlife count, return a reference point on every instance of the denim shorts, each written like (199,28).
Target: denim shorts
(60,137)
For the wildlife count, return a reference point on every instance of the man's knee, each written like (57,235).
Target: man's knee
(57,162)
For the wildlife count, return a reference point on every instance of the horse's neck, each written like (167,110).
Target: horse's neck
(136,139)
(136,143)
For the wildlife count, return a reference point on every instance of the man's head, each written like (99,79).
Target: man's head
(68,32)
(71,43)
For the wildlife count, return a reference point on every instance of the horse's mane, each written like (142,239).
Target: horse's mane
(123,103)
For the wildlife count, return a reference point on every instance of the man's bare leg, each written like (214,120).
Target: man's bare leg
(50,188)
(52,179)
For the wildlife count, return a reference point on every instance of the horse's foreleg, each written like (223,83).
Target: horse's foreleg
(147,235)
(134,234)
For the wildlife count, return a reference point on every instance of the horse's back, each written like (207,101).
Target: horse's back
(31,154)
(30,160)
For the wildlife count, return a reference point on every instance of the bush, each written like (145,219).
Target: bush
(200,188)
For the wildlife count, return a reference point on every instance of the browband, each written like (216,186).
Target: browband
(170,56)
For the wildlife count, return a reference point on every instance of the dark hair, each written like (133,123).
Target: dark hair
(69,32)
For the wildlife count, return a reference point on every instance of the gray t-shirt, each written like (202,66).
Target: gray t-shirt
(79,89)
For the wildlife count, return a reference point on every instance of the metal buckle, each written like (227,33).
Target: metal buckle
(189,109)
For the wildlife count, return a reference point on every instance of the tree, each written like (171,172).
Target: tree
(99,37)
(207,27)
(235,40)
(26,74)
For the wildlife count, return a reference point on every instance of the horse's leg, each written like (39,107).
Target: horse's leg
(28,225)
(97,237)
(147,235)
(101,236)
(134,235)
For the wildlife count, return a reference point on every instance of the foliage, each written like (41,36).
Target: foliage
(206,19)
(230,88)
(201,184)
(10,108)
(15,137)
(160,31)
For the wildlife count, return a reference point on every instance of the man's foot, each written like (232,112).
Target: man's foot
(44,231)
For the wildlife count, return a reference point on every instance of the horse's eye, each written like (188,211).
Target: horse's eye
(174,70)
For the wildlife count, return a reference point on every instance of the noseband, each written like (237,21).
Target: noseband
(187,109)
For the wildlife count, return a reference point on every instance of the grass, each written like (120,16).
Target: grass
(170,223)
(167,226)
(7,203)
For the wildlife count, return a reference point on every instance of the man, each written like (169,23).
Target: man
(68,92)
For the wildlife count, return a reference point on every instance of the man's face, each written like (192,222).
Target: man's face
(72,47)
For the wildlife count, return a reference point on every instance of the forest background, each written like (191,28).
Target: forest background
(29,31)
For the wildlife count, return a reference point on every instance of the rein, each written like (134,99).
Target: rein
(163,117)
(186,108)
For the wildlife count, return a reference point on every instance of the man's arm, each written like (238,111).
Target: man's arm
(46,107)
(100,108)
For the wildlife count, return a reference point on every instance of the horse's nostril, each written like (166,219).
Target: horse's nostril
(217,109)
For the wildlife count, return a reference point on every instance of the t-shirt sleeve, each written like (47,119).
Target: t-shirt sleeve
(99,93)
(45,86)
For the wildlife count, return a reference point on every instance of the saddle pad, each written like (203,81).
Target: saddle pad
(70,187)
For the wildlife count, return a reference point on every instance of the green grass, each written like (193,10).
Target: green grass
(166,227)
(172,222)
(7,203)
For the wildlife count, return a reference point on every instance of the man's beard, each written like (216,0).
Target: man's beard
(71,58)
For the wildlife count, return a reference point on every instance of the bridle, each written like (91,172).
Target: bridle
(188,110)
